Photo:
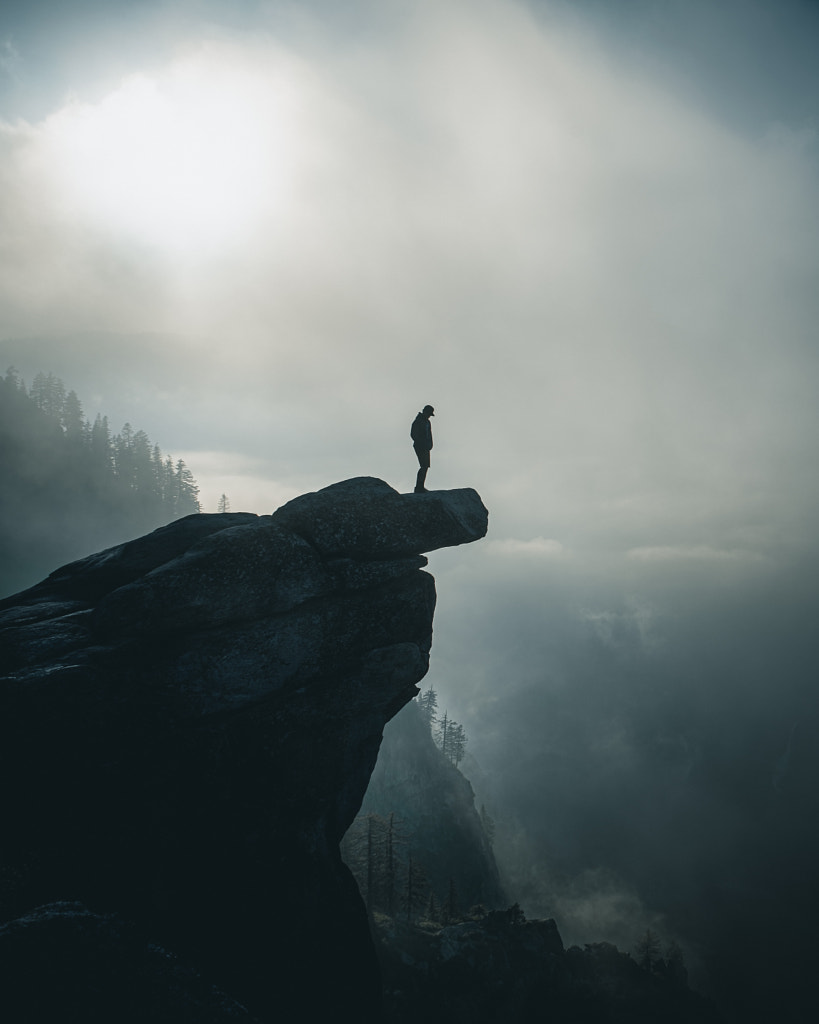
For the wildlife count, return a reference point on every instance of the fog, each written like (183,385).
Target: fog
(587,234)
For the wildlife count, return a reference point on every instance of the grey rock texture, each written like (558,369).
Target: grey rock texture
(190,721)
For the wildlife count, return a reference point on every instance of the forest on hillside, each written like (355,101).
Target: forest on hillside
(450,947)
(420,849)
(70,486)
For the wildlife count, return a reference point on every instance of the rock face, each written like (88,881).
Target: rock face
(188,723)
(434,805)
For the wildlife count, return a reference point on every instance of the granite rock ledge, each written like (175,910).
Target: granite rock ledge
(192,719)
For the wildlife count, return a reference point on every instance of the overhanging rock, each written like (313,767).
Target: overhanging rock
(192,720)
(366,518)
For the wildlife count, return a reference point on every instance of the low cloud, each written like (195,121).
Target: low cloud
(537,547)
(695,553)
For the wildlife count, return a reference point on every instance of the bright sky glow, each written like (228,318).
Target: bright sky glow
(179,161)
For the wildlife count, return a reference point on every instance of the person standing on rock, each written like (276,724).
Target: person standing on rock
(421,434)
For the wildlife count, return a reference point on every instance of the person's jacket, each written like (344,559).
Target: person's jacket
(421,432)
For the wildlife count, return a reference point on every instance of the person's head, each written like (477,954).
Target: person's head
(428,411)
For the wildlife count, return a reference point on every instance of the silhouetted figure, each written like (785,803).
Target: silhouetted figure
(421,434)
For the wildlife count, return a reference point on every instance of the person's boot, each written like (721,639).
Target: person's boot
(419,482)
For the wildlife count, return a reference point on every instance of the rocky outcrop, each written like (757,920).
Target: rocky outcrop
(503,969)
(188,723)
(433,805)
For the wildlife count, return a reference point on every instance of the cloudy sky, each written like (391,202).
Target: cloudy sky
(586,232)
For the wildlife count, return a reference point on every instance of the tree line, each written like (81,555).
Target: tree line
(71,486)
(447,733)
(648,952)
(451,740)
(394,883)
(391,880)
(128,457)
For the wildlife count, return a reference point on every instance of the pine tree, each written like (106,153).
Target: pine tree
(451,739)
(169,486)
(647,949)
(73,421)
(363,850)
(394,839)
(123,445)
(48,394)
(142,464)
(158,474)
(428,703)
(443,734)
(223,504)
(100,441)
(53,459)
(38,391)
(187,501)
(372,851)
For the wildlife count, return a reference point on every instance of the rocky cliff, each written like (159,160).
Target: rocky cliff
(188,723)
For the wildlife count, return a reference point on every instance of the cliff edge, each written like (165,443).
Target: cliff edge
(188,724)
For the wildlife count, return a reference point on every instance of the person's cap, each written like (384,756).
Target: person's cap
(428,410)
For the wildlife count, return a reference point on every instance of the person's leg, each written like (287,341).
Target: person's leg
(423,462)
